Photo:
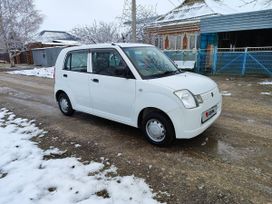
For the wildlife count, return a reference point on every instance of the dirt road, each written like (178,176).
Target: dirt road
(229,163)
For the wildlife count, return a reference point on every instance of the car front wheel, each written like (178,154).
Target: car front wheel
(158,129)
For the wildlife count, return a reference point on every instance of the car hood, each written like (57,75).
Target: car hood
(195,83)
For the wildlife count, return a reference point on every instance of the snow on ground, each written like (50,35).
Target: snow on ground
(225,93)
(266,83)
(39,72)
(266,93)
(27,178)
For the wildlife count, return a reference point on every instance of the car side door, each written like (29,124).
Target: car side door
(75,74)
(113,86)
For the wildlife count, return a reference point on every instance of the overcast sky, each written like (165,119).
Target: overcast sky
(66,14)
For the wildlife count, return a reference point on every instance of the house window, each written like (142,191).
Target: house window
(175,42)
(158,42)
(178,42)
(172,42)
(160,39)
(192,43)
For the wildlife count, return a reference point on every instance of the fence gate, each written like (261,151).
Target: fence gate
(239,61)
(242,62)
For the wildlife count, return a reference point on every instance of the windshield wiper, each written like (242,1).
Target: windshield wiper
(166,73)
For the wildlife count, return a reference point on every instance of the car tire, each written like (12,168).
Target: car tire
(158,129)
(65,105)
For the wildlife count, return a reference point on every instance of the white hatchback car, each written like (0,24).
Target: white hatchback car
(137,85)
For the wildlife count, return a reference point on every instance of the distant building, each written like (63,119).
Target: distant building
(179,29)
(46,45)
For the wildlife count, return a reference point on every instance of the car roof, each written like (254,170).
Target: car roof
(107,45)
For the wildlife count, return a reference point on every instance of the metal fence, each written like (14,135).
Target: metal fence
(182,55)
(239,61)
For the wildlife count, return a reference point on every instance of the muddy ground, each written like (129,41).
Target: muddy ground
(231,162)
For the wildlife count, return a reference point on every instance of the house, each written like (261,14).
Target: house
(44,42)
(237,43)
(46,45)
(179,29)
(240,30)
(49,38)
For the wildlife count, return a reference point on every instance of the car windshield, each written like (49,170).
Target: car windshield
(150,62)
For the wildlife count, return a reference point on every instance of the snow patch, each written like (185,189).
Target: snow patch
(54,151)
(266,93)
(77,145)
(25,177)
(226,93)
(265,83)
(39,72)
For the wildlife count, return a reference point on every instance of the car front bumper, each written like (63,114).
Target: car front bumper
(188,122)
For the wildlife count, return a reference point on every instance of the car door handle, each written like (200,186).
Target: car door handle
(95,80)
(65,75)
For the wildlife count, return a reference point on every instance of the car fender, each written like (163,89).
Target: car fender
(159,101)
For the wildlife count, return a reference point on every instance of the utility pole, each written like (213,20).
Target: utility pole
(133,21)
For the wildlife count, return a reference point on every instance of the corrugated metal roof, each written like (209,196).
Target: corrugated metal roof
(237,22)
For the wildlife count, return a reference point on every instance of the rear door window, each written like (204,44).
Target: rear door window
(77,61)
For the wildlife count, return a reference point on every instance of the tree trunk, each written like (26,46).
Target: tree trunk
(11,59)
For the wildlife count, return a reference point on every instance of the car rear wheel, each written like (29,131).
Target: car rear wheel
(158,129)
(65,105)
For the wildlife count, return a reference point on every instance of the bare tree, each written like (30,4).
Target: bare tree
(144,16)
(97,33)
(19,20)
(268,3)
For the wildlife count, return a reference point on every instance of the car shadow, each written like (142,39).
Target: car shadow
(204,141)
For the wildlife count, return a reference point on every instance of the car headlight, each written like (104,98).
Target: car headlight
(188,99)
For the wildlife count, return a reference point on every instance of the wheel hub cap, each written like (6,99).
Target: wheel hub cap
(64,105)
(155,130)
